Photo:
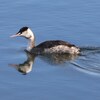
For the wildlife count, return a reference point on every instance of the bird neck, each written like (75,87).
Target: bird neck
(31,44)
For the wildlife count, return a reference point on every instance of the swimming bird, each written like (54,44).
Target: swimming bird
(49,47)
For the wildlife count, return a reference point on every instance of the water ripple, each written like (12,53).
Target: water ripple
(88,61)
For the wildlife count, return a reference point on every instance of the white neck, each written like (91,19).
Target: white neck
(31,45)
(31,40)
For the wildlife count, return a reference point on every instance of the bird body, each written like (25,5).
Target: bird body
(51,46)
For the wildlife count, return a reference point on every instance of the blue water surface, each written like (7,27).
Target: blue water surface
(76,21)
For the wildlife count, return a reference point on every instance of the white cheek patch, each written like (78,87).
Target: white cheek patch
(26,34)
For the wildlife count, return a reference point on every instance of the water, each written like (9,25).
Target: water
(49,78)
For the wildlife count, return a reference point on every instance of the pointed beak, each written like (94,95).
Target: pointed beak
(13,65)
(15,35)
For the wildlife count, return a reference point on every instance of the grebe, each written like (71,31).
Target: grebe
(53,46)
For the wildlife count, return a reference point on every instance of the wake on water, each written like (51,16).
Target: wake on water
(88,61)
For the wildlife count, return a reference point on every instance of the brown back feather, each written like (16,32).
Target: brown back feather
(53,43)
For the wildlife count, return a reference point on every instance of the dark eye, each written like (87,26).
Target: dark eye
(19,33)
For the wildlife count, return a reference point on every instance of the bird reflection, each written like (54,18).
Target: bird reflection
(26,66)
(55,59)
(88,60)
